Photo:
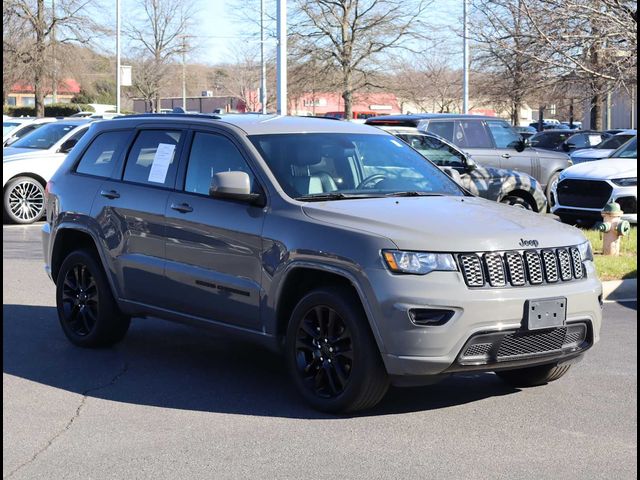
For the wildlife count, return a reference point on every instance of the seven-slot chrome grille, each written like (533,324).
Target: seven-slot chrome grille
(521,268)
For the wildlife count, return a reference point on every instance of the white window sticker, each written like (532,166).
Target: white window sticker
(595,139)
(161,162)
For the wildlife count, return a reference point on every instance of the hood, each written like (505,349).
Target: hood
(603,169)
(591,154)
(445,224)
(11,154)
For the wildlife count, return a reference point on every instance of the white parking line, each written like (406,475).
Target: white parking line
(621,300)
(32,225)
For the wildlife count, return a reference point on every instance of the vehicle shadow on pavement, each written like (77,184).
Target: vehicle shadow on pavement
(172,366)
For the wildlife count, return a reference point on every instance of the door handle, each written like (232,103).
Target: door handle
(111,194)
(182,208)
(506,155)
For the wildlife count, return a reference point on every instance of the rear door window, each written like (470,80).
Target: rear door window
(99,159)
(503,134)
(475,135)
(153,158)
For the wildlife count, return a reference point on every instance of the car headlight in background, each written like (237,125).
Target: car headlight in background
(626,182)
(585,251)
(418,263)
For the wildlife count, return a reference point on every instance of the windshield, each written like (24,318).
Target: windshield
(628,150)
(45,137)
(7,127)
(346,165)
(614,142)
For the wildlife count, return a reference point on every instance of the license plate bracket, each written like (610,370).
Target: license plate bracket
(545,313)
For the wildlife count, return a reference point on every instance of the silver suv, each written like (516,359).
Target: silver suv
(333,242)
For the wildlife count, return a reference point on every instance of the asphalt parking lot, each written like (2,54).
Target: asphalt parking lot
(171,402)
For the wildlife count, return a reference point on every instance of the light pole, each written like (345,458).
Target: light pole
(118,79)
(184,74)
(465,83)
(263,77)
(282,57)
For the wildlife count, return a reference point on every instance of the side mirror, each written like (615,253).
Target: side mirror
(520,145)
(68,145)
(567,147)
(470,164)
(233,186)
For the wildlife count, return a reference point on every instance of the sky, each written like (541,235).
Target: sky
(218,27)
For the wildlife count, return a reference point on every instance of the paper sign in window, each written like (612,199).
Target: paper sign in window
(161,162)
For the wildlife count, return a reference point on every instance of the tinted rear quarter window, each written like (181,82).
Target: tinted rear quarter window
(442,129)
(99,159)
(152,158)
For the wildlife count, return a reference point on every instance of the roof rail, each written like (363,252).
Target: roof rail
(178,115)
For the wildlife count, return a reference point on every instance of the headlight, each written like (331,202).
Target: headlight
(418,263)
(585,251)
(626,182)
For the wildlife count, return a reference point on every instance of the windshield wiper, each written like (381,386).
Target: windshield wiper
(413,194)
(323,197)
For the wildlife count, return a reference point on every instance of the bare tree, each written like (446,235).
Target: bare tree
(501,30)
(350,36)
(158,36)
(71,22)
(588,41)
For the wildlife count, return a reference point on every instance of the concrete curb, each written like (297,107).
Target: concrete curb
(620,289)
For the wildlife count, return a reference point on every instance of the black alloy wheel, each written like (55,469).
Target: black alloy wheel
(324,354)
(80,301)
(88,313)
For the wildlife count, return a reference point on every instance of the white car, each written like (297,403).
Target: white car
(604,149)
(583,190)
(15,128)
(29,163)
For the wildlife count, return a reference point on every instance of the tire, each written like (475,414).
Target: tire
(552,180)
(87,311)
(329,334)
(533,376)
(23,200)
(518,202)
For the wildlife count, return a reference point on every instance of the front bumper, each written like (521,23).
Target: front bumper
(412,350)
(627,197)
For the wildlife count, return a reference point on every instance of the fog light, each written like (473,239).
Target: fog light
(430,317)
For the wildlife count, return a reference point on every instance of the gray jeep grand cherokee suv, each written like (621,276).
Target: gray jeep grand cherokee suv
(333,242)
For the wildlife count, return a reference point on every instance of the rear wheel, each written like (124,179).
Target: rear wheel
(87,311)
(332,355)
(533,376)
(23,200)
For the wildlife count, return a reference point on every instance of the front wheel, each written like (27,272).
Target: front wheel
(533,376)
(518,202)
(87,311)
(331,353)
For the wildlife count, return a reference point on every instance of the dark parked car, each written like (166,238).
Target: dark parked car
(490,141)
(498,184)
(567,140)
(526,132)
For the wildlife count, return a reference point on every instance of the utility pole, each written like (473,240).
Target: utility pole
(184,74)
(263,77)
(282,57)
(118,79)
(465,83)
(54,76)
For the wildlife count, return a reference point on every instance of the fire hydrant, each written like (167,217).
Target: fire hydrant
(613,228)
